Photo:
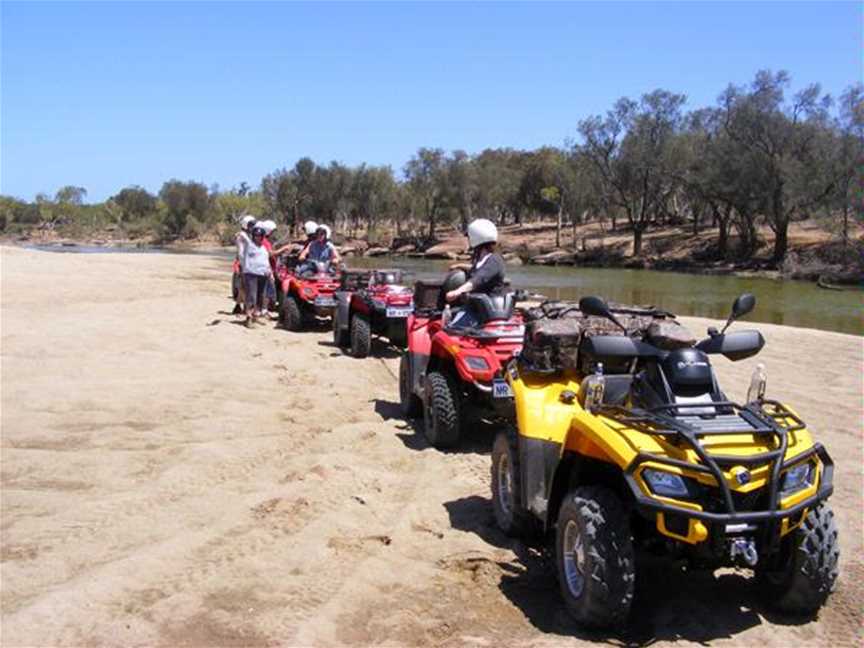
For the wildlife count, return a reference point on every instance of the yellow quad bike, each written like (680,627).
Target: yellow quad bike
(649,454)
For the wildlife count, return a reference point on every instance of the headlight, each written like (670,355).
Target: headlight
(476,363)
(308,291)
(797,478)
(665,483)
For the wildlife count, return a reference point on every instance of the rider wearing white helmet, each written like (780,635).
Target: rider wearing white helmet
(487,267)
(268,226)
(320,250)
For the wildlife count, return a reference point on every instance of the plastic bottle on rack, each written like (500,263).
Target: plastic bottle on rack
(595,387)
(756,391)
(445,316)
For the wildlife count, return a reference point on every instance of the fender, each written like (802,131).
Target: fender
(419,349)
(342,315)
(358,304)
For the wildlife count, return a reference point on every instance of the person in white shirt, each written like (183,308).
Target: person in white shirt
(256,272)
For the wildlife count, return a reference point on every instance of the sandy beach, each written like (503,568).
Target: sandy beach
(171,478)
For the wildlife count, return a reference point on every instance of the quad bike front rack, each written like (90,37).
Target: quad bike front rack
(767,418)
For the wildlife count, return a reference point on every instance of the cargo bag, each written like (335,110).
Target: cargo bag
(429,295)
(552,344)
(667,334)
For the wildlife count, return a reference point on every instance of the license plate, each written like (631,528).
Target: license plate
(399,312)
(325,301)
(501,389)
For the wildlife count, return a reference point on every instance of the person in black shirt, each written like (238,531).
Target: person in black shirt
(486,274)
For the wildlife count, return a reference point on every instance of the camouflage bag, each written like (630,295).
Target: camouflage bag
(552,344)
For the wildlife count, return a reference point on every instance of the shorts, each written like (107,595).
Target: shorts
(255,285)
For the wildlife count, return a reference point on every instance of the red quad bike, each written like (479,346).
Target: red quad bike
(306,293)
(371,303)
(448,369)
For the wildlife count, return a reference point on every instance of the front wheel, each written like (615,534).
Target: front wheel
(802,574)
(409,402)
(440,411)
(594,557)
(340,338)
(361,336)
(292,318)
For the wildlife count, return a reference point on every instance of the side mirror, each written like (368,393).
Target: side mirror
(743,304)
(597,307)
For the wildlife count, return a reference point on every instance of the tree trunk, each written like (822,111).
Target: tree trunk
(558,225)
(781,242)
(637,240)
(723,234)
(845,223)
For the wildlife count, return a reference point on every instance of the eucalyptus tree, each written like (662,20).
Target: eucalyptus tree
(425,174)
(135,203)
(633,150)
(183,201)
(782,140)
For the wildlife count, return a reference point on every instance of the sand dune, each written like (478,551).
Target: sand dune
(171,478)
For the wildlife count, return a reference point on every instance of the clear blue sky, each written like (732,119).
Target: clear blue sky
(105,95)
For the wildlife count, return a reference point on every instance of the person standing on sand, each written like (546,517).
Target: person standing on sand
(241,238)
(256,272)
(270,292)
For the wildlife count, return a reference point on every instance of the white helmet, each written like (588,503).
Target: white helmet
(310,227)
(246,221)
(268,226)
(328,230)
(482,231)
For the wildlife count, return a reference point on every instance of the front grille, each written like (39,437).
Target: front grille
(712,500)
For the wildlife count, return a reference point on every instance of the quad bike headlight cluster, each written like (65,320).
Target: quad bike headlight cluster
(476,363)
(797,478)
(665,483)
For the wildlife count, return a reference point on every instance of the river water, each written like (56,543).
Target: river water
(793,303)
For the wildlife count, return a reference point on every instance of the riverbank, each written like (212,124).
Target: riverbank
(171,478)
(814,254)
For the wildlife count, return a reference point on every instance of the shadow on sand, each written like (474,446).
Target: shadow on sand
(670,604)
(477,436)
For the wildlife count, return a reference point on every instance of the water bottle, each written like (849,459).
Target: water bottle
(445,316)
(756,392)
(595,387)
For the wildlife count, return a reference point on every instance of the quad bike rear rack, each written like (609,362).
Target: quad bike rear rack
(767,418)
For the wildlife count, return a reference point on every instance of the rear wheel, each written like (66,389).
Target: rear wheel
(292,318)
(802,574)
(409,402)
(361,336)
(510,515)
(440,411)
(594,557)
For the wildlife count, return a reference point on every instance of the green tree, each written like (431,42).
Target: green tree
(426,176)
(633,151)
(183,201)
(782,139)
(135,203)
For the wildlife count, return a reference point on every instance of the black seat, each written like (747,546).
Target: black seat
(490,307)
